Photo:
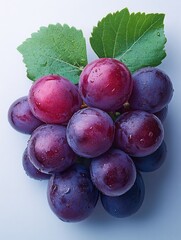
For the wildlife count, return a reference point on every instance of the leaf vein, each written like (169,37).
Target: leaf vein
(141,36)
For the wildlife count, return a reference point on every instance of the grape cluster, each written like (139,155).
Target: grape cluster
(94,139)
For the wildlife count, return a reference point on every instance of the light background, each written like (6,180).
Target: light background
(24,212)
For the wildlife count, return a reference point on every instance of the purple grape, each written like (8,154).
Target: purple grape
(21,118)
(54,99)
(162,113)
(138,133)
(113,173)
(30,169)
(106,84)
(72,195)
(48,149)
(152,90)
(90,132)
(153,161)
(128,203)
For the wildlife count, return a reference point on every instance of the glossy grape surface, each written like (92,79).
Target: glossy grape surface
(152,90)
(90,132)
(72,195)
(31,170)
(21,118)
(54,99)
(48,149)
(128,203)
(113,173)
(105,84)
(138,133)
(153,161)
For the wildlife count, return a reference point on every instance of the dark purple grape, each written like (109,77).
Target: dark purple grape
(152,90)
(153,161)
(162,113)
(128,203)
(138,133)
(21,118)
(106,84)
(113,173)
(54,99)
(31,170)
(48,149)
(90,132)
(72,195)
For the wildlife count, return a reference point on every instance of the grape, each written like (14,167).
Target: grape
(71,194)
(30,169)
(128,203)
(54,99)
(162,113)
(153,161)
(90,132)
(48,149)
(21,118)
(152,90)
(106,84)
(113,173)
(138,133)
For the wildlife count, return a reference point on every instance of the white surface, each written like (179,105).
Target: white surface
(24,212)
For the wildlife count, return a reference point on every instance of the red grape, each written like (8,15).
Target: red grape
(113,173)
(48,149)
(138,133)
(106,84)
(54,99)
(21,118)
(72,195)
(90,132)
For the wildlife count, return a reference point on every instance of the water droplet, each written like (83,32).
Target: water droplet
(130,137)
(142,140)
(113,90)
(54,188)
(67,191)
(158,34)
(150,134)
(38,103)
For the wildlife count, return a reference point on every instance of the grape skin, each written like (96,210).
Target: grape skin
(48,149)
(113,173)
(152,90)
(21,118)
(54,99)
(90,132)
(128,203)
(31,170)
(72,195)
(138,133)
(153,161)
(162,114)
(105,84)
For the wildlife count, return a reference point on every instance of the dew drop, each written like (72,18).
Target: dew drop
(54,188)
(150,134)
(67,191)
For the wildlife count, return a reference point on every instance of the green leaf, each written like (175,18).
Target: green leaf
(136,39)
(55,49)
